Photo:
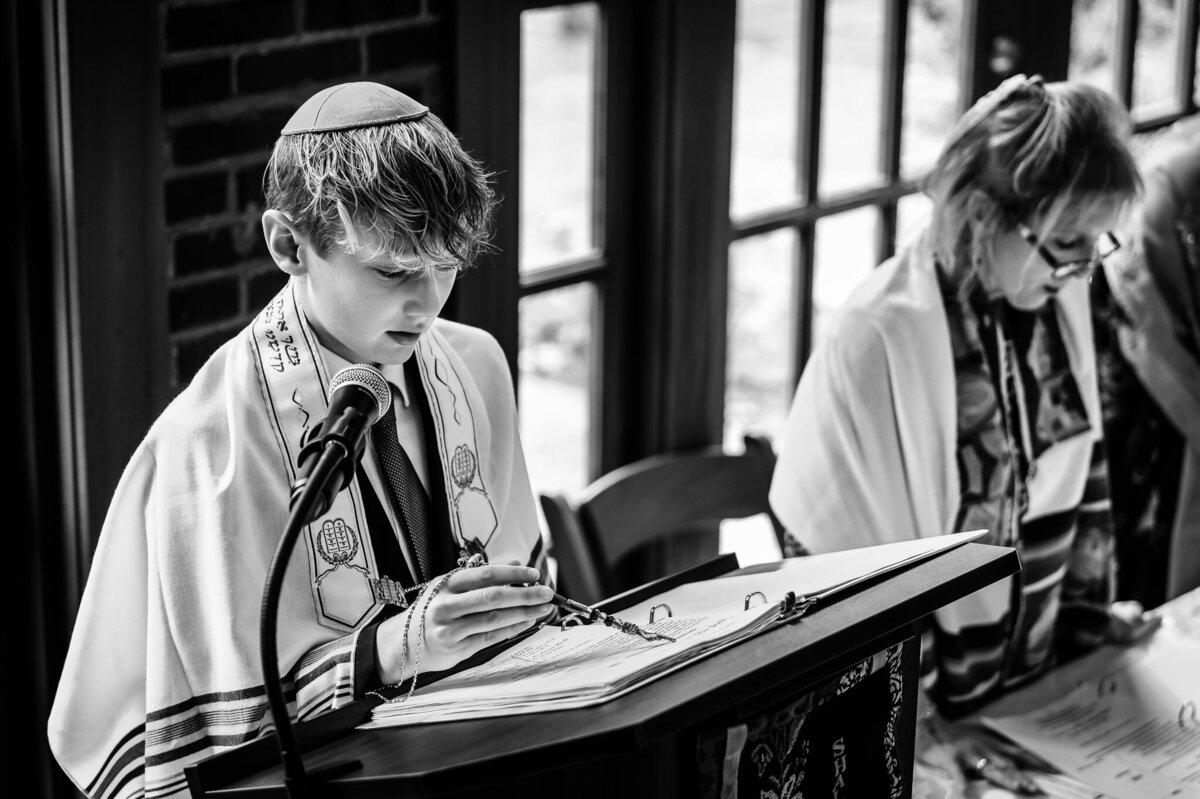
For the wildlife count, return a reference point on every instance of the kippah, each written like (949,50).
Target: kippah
(362,104)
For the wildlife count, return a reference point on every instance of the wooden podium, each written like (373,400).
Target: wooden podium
(785,708)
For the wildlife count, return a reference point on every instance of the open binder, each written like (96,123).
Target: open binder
(571,664)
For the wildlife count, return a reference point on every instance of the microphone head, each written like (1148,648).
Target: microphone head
(369,378)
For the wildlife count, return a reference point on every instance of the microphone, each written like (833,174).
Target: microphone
(358,396)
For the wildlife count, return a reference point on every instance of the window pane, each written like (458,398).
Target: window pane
(760,342)
(765,94)
(931,76)
(559,332)
(845,255)
(1093,42)
(912,215)
(1154,73)
(851,99)
(558,108)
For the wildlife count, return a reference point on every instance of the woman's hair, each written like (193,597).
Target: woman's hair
(406,190)
(1051,150)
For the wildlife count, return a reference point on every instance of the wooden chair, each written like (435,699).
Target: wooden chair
(650,501)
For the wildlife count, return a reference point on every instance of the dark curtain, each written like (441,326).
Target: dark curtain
(44,598)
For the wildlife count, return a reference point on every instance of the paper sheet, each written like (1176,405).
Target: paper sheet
(814,575)
(554,669)
(584,665)
(1132,733)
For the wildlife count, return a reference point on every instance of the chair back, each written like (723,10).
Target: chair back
(650,501)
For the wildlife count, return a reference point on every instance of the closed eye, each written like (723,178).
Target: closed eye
(396,275)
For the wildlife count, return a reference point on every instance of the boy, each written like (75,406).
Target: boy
(373,207)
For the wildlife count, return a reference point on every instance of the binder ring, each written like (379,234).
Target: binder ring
(656,607)
(746,604)
(1106,685)
(570,621)
(1188,707)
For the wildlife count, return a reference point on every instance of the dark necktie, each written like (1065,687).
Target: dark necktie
(408,495)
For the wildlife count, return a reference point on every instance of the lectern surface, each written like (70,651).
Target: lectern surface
(436,759)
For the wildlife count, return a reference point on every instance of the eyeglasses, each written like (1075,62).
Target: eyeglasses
(1106,245)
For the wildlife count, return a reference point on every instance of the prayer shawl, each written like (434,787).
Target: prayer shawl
(871,453)
(163,669)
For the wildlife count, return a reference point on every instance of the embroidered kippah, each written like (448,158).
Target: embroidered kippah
(362,104)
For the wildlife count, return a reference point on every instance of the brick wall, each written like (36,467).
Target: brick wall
(233,71)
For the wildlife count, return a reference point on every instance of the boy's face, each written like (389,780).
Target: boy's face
(365,310)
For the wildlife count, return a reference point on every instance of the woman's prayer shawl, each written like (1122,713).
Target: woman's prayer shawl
(163,669)
(869,452)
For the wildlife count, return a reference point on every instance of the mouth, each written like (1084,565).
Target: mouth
(404,337)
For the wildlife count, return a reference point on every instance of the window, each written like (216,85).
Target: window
(1143,51)
(672,242)
(560,257)
(839,108)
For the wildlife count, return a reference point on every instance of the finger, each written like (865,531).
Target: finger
(1022,758)
(492,623)
(967,753)
(493,597)
(1146,625)
(486,639)
(451,609)
(492,574)
(1128,631)
(1010,778)
(1128,609)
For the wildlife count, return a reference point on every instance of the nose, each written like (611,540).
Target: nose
(428,293)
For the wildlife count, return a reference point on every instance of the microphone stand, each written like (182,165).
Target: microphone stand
(306,505)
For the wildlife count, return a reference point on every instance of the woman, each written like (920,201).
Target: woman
(956,388)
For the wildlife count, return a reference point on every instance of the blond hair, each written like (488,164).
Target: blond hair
(406,190)
(1049,150)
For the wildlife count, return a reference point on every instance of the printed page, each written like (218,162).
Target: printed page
(573,667)
(1133,733)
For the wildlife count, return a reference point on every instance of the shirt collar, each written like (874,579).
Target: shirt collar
(392,372)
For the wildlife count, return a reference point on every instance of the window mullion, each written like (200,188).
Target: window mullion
(1185,60)
(1127,29)
(892,117)
(806,262)
(812,67)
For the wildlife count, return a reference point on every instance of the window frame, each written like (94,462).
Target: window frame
(665,141)
(664,144)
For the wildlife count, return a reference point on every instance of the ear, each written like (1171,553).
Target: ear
(283,241)
(981,208)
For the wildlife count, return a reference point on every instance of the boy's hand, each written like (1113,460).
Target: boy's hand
(474,609)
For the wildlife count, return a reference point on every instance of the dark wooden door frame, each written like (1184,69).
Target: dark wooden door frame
(88,305)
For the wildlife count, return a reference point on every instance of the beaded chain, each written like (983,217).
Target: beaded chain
(423,599)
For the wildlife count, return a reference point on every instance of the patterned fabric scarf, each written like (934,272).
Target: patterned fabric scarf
(1060,598)
(989,468)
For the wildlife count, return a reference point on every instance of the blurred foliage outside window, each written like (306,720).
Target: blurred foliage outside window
(558,327)
(1094,45)
(761,320)
(556,364)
